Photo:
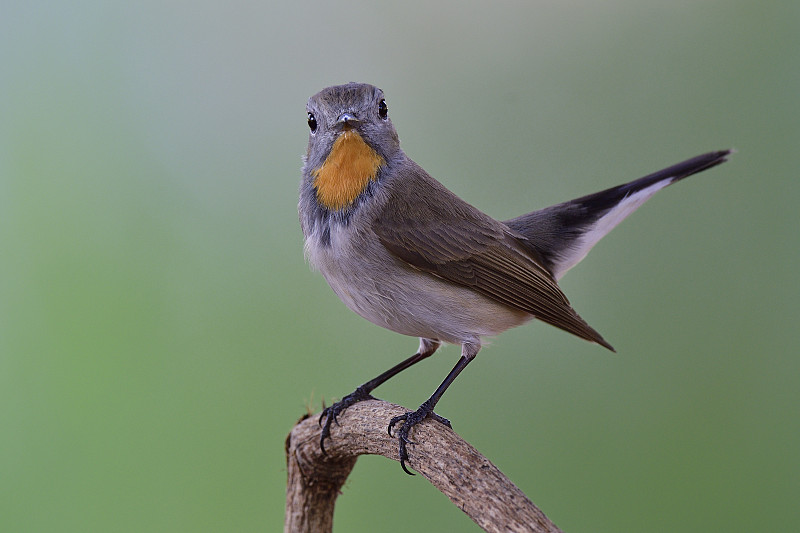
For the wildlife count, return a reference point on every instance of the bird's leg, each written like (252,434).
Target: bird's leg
(410,419)
(426,348)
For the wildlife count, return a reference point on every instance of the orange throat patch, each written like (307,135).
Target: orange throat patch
(347,171)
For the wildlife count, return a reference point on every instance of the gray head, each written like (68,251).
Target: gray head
(354,106)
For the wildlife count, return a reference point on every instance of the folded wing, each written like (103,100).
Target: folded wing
(432,230)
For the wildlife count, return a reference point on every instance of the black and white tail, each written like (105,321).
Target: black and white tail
(563,234)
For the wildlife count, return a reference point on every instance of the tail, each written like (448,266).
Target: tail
(563,234)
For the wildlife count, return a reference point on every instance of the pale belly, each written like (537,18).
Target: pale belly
(387,292)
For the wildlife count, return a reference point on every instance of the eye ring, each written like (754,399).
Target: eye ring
(312,122)
(383,110)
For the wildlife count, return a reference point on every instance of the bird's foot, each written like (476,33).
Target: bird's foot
(330,414)
(409,420)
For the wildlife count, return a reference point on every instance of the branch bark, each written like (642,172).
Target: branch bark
(454,467)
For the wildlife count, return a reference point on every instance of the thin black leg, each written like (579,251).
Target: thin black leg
(468,353)
(426,348)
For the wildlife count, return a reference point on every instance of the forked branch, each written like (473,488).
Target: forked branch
(454,467)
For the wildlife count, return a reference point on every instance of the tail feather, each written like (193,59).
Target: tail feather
(562,235)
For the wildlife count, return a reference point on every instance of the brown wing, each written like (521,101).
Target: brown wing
(433,230)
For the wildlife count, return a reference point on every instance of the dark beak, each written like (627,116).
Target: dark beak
(347,121)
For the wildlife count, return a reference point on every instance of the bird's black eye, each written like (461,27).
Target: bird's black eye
(312,122)
(383,111)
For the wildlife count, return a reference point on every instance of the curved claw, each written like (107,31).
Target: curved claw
(411,419)
(440,419)
(394,421)
(331,414)
(403,451)
(322,445)
(326,429)
(326,414)
(403,460)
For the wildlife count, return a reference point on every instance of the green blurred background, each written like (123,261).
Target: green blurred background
(160,332)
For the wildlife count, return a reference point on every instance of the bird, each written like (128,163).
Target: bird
(406,253)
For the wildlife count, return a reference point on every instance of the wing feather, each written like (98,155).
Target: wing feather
(433,230)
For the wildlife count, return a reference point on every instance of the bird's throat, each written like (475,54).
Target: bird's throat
(347,171)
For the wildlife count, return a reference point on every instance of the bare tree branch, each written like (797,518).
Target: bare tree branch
(454,467)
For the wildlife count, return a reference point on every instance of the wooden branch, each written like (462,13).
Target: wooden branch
(454,467)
